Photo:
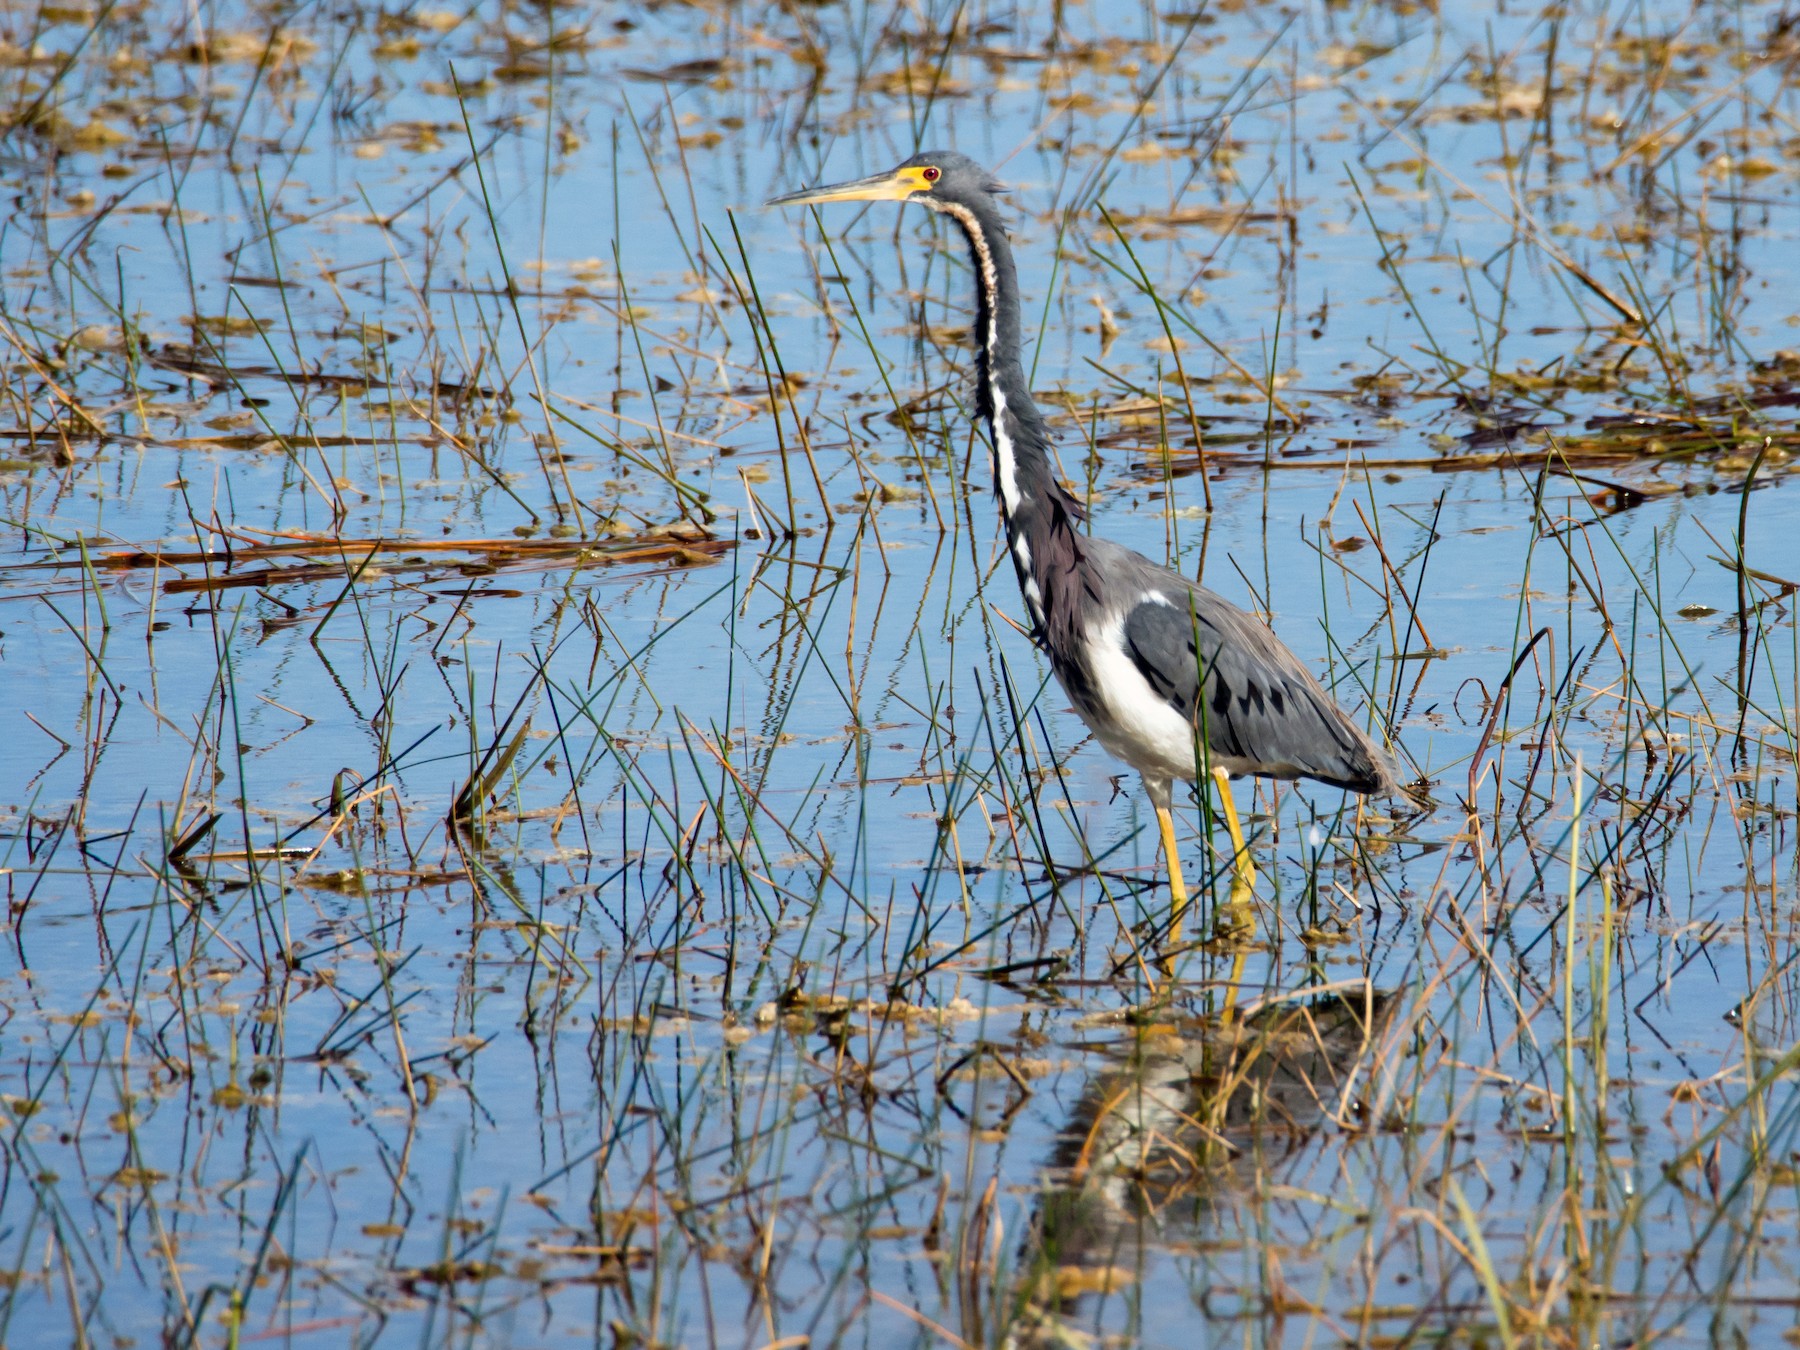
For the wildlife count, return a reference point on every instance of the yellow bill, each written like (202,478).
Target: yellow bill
(896,185)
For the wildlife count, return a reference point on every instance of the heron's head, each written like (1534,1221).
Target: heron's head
(934,178)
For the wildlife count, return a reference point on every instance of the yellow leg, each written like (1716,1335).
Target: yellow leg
(1178,895)
(1244,873)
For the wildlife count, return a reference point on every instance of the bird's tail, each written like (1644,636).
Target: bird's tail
(1395,781)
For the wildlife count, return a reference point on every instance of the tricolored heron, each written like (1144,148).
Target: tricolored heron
(1176,681)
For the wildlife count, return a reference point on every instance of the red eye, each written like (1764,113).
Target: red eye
(931,175)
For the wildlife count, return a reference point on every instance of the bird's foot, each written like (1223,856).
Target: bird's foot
(1234,922)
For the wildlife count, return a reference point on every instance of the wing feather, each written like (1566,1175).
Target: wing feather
(1257,703)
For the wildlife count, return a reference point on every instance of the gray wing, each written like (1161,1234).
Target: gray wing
(1258,704)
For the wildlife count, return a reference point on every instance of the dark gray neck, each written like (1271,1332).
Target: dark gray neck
(1038,512)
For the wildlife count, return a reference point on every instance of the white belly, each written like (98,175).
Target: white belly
(1138,725)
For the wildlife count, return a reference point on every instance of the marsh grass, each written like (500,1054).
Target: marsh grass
(529,817)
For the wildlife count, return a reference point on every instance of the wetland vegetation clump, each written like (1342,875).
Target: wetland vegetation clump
(529,815)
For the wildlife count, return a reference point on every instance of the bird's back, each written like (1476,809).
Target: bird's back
(1163,655)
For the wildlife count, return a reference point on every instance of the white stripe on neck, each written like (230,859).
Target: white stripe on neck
(1012,497)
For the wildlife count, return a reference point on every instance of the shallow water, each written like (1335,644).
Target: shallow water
(797,968)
